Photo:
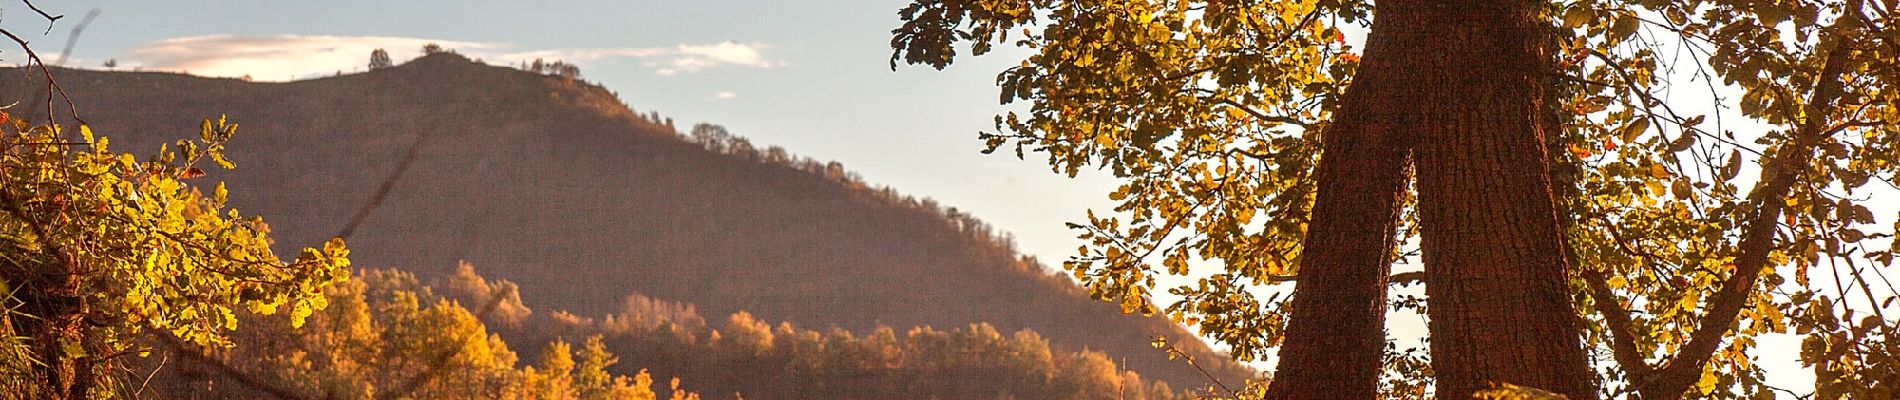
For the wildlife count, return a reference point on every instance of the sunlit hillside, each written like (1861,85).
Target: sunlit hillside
(554,184)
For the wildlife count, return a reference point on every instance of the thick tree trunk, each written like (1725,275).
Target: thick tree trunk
(1494,253)
(1336,335)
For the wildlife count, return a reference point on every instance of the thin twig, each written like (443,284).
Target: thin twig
(50,19)
(52,85)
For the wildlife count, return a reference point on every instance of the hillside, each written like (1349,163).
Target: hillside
(557,186)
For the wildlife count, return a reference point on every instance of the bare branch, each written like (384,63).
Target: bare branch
(50,19)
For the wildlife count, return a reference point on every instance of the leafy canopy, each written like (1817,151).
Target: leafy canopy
(1699,224)
(151,251)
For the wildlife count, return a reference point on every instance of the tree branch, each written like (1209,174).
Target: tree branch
(1622,338)
(1681,371)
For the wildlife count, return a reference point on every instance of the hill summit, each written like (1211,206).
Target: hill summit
(556,185)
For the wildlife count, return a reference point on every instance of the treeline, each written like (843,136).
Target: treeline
(989,241)
(386,333)
(761,360)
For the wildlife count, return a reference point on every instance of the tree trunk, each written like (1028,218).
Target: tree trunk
(1497,275)
(55,312)
(1335,338)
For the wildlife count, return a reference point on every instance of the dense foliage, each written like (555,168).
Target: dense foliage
(754,357)
(388,334)
(99,247)
(1210,113)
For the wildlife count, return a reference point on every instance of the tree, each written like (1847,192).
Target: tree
(1335,336)
(432,48)
(1216,114)
(100,248)
(379,59)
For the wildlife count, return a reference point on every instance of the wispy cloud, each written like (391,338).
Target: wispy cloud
(723,95)
(285,57)
(674,60)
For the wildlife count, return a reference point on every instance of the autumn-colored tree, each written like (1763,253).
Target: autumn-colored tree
(98,247)
(1215,115)
(378,341)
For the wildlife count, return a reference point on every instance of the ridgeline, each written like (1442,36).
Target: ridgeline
(556,185)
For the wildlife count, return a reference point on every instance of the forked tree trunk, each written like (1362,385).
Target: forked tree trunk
(1461,85)
(1335,338)
(1493,248)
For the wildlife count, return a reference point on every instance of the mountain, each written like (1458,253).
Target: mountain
(556,185)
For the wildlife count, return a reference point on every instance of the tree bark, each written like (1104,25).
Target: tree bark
(1497,275)
(1335,337)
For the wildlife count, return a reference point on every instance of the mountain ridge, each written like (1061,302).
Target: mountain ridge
(556,185)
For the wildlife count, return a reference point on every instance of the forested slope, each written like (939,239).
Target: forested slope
(556,185)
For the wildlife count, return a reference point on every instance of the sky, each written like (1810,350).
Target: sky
(811,76)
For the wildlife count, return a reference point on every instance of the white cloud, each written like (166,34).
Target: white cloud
(288,57)
(665,60)
(273,58)
(724,95)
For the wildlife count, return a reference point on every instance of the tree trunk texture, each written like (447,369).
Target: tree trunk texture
(1495,260)
(1335,337)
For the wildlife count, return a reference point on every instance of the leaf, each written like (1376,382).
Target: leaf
(1624,27)
(72,348)
(1682,142)
(218,156)
(1577,16)
(1628,132)
(1706,384)
(1692,121)
(1733,167)
(1675,15)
